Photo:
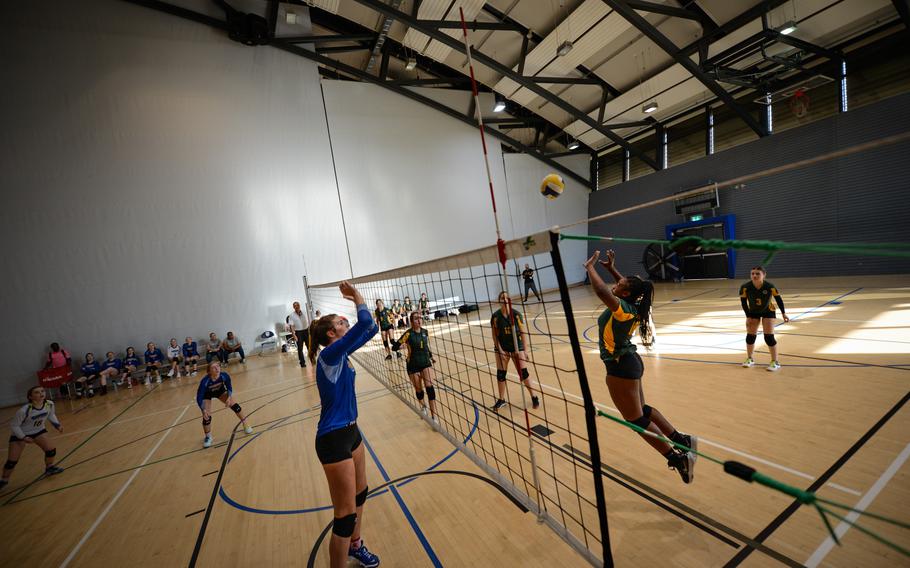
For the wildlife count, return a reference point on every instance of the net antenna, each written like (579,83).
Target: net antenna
(501,248)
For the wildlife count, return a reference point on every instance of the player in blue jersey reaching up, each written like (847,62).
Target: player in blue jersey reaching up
(338,441)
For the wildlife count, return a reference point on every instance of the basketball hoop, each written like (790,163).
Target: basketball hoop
(799,103)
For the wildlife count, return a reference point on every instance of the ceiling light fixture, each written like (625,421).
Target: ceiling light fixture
(564,48)
(649,107)
(573,145)
(411,64)
(788,28)
(499,105)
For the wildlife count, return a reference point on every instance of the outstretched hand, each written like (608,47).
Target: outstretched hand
(347,290)
(590,262)
(611,256)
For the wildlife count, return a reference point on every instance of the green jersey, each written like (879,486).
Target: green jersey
(758,300)
(396,309)
(502,327)
(424,304)
(615,331)
(419,342)
(383,317)
(408,307)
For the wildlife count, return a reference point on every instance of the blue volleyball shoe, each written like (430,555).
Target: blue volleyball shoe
(363,556)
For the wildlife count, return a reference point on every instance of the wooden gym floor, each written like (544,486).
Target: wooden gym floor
(138,484)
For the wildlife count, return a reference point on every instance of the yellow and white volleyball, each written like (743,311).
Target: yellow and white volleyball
(551,187)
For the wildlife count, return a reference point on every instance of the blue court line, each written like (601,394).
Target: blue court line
(227,499)
(404,508)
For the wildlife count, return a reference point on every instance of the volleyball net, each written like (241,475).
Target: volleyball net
(542,456)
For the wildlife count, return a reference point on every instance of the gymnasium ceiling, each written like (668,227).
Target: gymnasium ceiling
(681,54)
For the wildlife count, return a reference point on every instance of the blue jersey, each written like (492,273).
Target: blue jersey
(153,356)
(112,364)
(335,375)
(190,350)
(90,369)
(209,384)
(131,361)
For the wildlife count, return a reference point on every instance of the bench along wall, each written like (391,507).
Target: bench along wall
(159,181)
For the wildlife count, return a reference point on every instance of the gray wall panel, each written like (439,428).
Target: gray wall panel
(862,197)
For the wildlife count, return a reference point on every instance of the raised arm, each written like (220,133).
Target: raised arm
(358,335)
(610,265)
(600,288)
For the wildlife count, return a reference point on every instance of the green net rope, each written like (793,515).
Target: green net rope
(894,250)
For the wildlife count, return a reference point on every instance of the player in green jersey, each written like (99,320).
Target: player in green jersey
(384,319)
(423,304)
(504,344)
(629,307)
(420,363)
(755,297)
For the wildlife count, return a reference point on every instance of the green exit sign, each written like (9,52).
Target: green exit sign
(696,217)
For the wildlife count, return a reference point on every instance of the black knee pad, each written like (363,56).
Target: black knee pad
(501,376)
(769,339)
(206,421)
(50,453)
(362,497)
(10,464)
(431,392)
(344,527)
(385,343)
(642,422)
(419,395)
(525,374)
(647,411)
(235,407)
(396,346)
(750,338)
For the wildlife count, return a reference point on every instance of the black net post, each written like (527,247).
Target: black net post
(590,411)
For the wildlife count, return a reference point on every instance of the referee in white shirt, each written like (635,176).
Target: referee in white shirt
(301,329)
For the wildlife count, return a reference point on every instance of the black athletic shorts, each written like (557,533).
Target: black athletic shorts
(418,366)
(13,438)
(338,445)
(149,367)
(387,328)
(628,366)
(758,315)
(210,394)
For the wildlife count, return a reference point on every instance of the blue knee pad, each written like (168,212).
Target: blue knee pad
(501,376)
(750,338)
(431,393)
(419,395)
(344,527)
(769,339)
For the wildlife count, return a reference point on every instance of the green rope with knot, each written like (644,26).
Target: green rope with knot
(751,475)
(894,250)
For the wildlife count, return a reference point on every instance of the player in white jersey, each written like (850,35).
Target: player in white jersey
(28,428)
(173,355)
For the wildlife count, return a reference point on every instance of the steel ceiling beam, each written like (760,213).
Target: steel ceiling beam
(474,25)
(903,10)
(564,80)
(387,11)
(365,77)
(652,33)
(664,9)
(317,39)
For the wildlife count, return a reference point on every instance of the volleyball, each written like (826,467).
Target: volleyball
(551,187)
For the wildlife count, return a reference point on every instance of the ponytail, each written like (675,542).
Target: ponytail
(319,335)
(642,294)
